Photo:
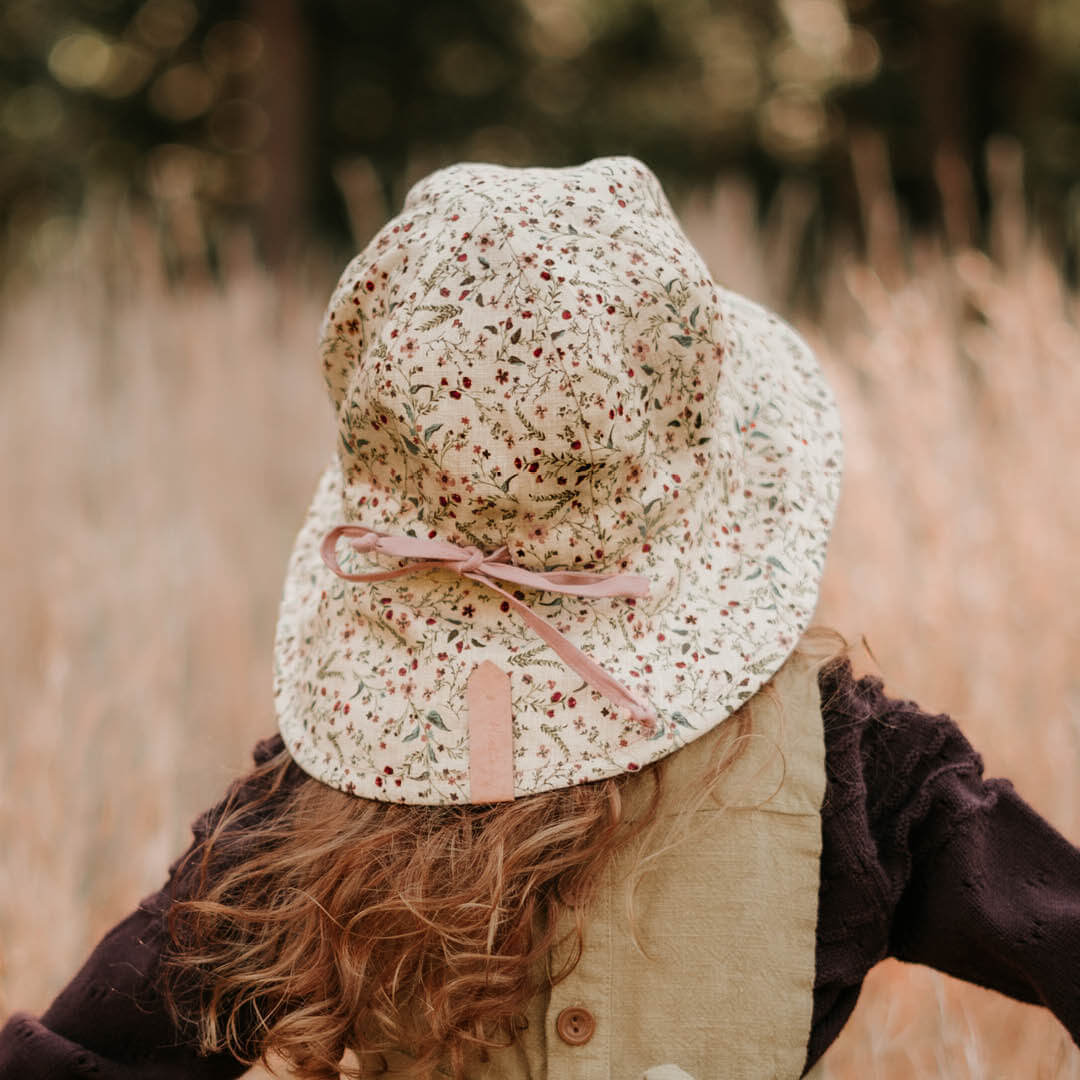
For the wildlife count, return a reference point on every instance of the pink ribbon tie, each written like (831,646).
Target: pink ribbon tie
(473,563)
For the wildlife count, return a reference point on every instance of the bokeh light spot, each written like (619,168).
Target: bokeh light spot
(792,124)
(80,60)
(862,61)
(558,30)
(165,24)
(130,65)
(182,93)
(819,26)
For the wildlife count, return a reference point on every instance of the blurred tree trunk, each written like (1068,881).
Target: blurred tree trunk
(286,95)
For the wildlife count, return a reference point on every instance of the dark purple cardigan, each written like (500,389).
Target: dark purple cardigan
(922,860)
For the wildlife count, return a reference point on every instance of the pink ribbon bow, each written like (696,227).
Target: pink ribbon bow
(473,563)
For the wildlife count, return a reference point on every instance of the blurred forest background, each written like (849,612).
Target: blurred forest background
(310,119)
(181,182)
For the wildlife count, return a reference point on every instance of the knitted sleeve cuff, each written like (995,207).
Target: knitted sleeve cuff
(30,1051)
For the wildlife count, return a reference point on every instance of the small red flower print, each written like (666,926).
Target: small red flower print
(566,315)
(501,375)
(370,286)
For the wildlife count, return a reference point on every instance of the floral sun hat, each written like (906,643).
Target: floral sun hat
(579,504)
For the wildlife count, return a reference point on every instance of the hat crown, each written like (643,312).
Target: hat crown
(527,357)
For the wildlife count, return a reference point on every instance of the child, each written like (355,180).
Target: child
(564,785)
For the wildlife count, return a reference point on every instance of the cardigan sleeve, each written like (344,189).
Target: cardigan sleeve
(110,1022)
(925,860)
(993,897)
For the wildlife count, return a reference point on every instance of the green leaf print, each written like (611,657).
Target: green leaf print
(442,312)
(685,340)
(436,720)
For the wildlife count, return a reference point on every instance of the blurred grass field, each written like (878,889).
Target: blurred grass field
(160,445)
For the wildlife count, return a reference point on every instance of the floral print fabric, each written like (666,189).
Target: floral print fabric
(539,358)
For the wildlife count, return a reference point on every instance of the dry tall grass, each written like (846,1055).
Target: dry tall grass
(161,446)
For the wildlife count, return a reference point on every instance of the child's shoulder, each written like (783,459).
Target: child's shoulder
(886,750)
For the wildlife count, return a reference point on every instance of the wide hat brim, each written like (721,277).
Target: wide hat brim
(369,678)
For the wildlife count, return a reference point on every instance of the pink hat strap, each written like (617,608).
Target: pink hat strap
(473,563)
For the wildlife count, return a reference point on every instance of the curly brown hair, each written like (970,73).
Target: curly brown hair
(312,922)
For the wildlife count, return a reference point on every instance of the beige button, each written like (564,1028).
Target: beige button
(575,1025)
